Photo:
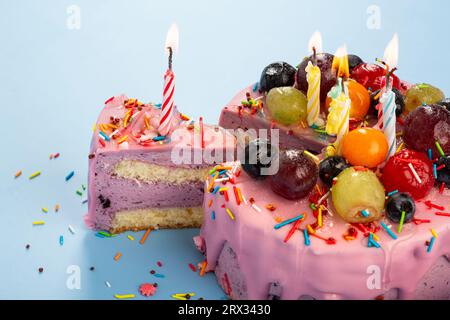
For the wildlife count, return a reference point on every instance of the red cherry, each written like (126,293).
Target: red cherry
(397,175)
(374,77)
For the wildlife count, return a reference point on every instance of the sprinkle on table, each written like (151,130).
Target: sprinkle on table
(71,229)
(18,174)
(203,268)
(124,296)
(130,237)
(70,175)
(144,237)
(61,240)
(34,175)
(192,267)
(44,210)
(118,256)
(57,207)
(38,223)
(108,284)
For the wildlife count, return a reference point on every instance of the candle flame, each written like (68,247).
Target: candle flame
(391,52)
(172,38)
(315,42)
(340,62)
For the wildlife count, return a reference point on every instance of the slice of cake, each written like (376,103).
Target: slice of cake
(139,179)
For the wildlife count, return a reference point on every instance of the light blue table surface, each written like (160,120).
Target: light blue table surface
(54,80)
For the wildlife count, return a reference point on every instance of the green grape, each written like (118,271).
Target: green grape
(355,191)
(287,105)
(422,94)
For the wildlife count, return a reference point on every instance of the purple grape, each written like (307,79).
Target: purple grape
(328,79)
(426,125)
(296,177)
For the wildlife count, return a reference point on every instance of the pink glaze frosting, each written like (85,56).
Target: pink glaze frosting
(183,140)
(321,270)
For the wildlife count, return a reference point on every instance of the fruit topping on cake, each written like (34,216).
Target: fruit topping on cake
(287,105)
(400,208)
(366,147)
(409,171)
(358,195)
(422,94)
(258,156)
(277,74)
(330,168)
(428,127)
(373,76)
(296,177)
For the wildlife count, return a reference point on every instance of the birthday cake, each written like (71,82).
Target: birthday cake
(139,179)
(356,214)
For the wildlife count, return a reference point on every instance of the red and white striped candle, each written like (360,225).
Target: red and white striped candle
(168,103)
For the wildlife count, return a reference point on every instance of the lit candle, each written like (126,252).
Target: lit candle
(313,77)
(338,120)
(169,83)
(387,99)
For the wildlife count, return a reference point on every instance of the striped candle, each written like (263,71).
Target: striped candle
(389,120)
(168,103)
(313,77)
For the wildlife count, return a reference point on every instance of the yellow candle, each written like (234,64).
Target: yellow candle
(339,118)
(313,77)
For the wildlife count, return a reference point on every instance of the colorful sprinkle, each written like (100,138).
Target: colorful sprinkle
(390,194)
(38,223)
(402,221)
(365,213)
(18,174)
(230,213)
(438,146)
(433,232)
(124,296)
(118,256)
(34,175)
(192,267)
(45,210)
(61,240)
(286,222)
(414,172)
(71,229)
(213,215)
(389,231)
(70,175)
(144,237)
(430,246)
(130,237)
(306,235)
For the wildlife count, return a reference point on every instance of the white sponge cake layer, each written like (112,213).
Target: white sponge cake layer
(157,218)
(149,172)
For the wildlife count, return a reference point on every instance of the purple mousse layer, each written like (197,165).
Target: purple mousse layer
(109,194)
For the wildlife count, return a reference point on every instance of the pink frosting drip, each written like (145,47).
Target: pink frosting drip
(320,270)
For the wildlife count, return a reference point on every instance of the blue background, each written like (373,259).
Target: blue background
(53,82)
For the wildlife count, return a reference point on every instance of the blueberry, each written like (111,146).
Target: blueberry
(443,175)
(330,168)
(445,103)
(354,61)
(399,102)
(275,75)
(398,203)
(258,155)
